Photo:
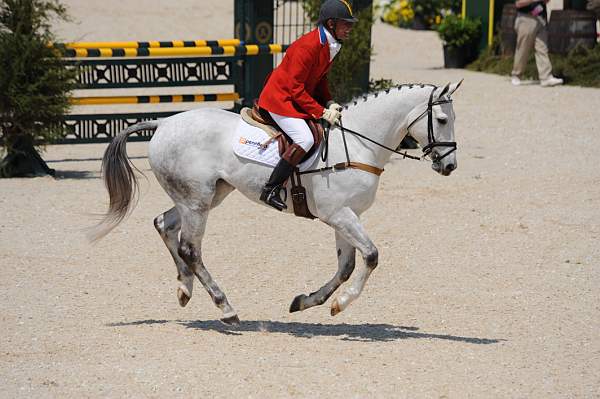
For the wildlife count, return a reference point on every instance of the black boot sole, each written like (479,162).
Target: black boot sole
(276,206)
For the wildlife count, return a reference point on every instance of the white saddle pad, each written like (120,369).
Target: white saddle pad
(248,141)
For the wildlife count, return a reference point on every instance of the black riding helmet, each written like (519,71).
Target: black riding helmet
(336,9)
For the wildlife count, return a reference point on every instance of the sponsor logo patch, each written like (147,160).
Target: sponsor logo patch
(245,141)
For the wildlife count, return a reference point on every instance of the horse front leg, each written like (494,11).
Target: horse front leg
(168,225)
(346,255)
(348,225)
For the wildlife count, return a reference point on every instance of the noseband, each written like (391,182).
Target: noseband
(430,136)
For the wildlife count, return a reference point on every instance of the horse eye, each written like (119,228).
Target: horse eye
(442,121)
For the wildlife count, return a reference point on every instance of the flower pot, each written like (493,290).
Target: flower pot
(456,57)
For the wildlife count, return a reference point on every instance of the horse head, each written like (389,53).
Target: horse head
(432,124)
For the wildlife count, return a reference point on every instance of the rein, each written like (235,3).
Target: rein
(404,154)
(427,150)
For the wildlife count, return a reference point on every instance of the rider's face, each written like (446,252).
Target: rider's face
(342,28)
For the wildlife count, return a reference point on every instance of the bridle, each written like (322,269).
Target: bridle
(427,150)
(432,143)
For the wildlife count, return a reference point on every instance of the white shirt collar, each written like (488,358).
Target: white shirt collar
(334,45)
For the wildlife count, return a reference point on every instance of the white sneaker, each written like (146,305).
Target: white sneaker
(551,81)
(515,81)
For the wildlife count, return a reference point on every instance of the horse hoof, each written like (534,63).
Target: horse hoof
(296,305)
(335,308)
(231,320)
(183,297)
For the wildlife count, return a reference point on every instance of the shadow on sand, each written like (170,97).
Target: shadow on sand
(81,174)
(88,159)
(346,332)
(76,174)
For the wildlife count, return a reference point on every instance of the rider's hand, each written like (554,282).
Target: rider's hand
(331,115)
(333,106)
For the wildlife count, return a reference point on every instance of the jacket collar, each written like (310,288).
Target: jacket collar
(322,35)
(328,40)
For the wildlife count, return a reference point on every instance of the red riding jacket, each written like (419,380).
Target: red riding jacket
(298,86)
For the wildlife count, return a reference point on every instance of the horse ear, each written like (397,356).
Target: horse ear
(444,90)
(454,87)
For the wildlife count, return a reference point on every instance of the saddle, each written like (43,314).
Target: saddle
(261,118)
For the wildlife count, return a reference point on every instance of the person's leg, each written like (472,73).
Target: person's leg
(542,60)
(526,33)
(300,133)
(296,129)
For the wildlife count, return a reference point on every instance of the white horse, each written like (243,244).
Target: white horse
(191,155)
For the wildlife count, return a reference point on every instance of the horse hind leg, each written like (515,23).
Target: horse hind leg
(190,250)
(168,225)
(346,254)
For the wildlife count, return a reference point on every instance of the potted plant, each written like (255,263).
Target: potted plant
(429,13)
(460,37)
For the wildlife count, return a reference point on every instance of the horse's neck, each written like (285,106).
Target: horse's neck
(382,118)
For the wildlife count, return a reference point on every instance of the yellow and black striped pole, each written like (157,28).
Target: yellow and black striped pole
(175,98)
(155,44)
(250,49)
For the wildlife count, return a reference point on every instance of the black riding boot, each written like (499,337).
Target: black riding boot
(270,193)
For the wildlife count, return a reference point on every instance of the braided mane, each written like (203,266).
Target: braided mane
(366,97)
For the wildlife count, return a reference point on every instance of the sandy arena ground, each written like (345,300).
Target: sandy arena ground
(488,283)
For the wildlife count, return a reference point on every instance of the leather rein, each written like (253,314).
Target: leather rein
(427,150)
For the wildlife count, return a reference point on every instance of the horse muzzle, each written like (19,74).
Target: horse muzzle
(443,168)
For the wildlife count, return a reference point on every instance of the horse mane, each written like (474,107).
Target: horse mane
(366,97)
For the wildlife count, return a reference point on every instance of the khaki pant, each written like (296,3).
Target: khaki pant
(531,33)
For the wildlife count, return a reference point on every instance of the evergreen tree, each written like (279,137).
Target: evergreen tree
(34,84)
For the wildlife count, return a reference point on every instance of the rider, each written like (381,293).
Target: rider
(297,90)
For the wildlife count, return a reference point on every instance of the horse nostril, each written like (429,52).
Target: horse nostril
(450,167)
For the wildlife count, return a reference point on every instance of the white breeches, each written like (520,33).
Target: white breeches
(297,129)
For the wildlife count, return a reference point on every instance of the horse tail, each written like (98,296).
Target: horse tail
(120,181)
